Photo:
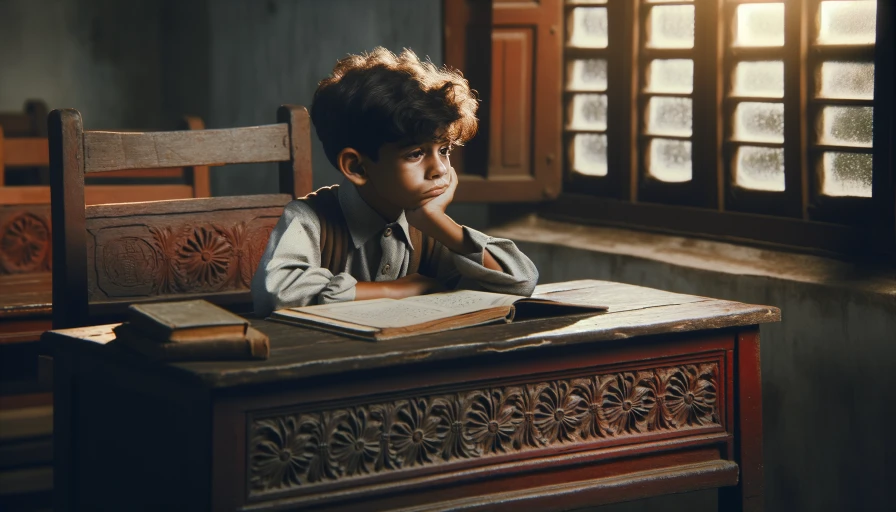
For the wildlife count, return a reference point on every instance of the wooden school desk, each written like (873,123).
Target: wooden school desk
(661,394)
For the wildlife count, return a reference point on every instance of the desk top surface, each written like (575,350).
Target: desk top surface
(26,295)
(298,352)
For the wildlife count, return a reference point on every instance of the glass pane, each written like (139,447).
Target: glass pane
(670,160)
(759,122)
(759,25)
(848,126)
(671,26)
(669,116)
(671,75)
(589,154)
(587,75)
(851,80)
(588,112)
(760,168)
(847,22)
(588,27)
(764,79)
(846,174)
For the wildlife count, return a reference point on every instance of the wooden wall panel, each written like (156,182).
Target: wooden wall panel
(511,108)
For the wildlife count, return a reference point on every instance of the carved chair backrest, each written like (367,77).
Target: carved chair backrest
(108,256)
(25,227)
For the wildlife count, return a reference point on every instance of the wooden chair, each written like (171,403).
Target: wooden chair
(108,256)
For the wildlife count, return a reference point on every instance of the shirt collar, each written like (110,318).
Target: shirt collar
(363,221)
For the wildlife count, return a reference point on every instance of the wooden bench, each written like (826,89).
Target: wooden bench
(108,256)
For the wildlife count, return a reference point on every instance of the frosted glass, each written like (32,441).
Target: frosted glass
(671,26)
(759,25)
(587,75)
(847,22)
(759,122)
(847,126)
(588,27)
(671,75)
(761,79)
(850,80)
(589,154)
(846,174)
(588,112)
(670,160)
(760,168)
(669,116)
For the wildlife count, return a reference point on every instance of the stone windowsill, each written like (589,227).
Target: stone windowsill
(722,257)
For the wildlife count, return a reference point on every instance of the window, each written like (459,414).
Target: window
(757,116)
(755,120)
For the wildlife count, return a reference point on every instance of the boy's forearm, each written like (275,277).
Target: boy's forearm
(451,235)
(407,286)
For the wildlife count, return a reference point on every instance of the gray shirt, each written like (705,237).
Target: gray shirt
(289,273)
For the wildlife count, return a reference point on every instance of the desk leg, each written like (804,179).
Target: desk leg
(747,495)
(62,433)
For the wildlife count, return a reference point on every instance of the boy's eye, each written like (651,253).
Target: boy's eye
(417,153)
(445,151)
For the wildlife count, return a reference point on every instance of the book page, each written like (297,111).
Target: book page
(380,313)
(463,301)
(390,313)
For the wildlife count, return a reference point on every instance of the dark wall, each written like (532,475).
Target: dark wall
(99,56)
(265,53)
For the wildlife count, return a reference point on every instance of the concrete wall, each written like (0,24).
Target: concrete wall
(827,374)
(266,53)
(99,56)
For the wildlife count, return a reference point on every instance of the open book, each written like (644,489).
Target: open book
(381,319)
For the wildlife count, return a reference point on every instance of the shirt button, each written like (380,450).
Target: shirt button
(386,268)
(388,232)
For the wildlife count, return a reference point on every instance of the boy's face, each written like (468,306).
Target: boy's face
(407,177)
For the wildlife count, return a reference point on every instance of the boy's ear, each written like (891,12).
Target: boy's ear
(350,164)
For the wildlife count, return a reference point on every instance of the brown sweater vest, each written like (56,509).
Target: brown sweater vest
(336,240)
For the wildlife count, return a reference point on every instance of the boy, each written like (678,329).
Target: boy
(387,123)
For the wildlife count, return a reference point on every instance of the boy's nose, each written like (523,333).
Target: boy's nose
(437,170)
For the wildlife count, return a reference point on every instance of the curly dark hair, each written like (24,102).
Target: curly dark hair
(379,98)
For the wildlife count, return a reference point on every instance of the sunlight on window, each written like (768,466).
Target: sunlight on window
(588,154)
(670,116)
(587,75)
(670,160)
(846,174)
(588,112)
(759,122)
(847,22)
(760,168)
(588,27)
(760,79)
(847,80)
(759,25)
(671,75)
(847,126)
(671,26)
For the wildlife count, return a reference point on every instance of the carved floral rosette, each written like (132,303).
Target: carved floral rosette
(296,450)
(181,258)
(25,240)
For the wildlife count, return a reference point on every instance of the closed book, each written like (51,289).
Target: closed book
(191,320)
(255,345)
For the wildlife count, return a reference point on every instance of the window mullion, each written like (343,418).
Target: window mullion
(707,98)
(796,167)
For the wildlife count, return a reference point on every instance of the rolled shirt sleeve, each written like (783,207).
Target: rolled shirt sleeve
(289,272)
(519,277)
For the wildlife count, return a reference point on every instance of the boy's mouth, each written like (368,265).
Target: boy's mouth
(435,191)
